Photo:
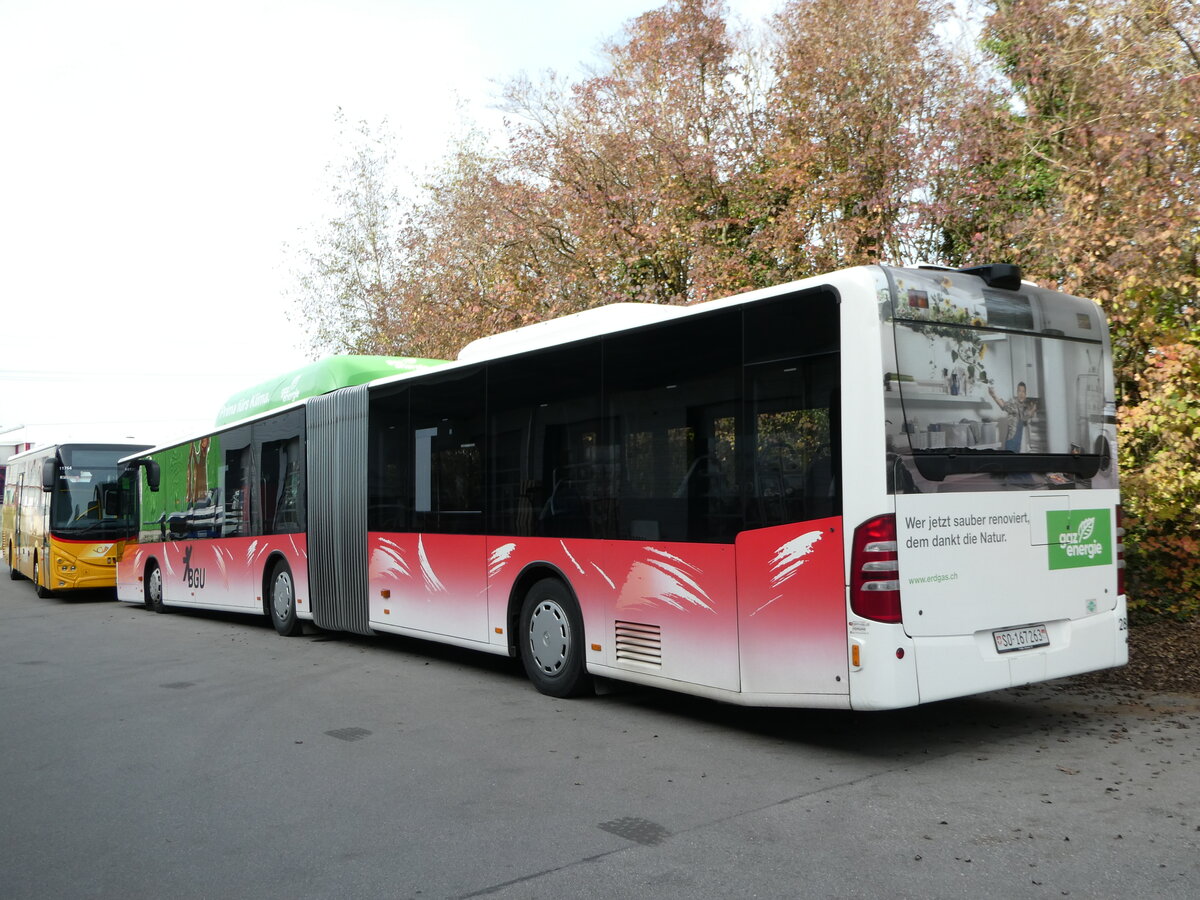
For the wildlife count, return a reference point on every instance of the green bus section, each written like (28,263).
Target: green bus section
(316,379)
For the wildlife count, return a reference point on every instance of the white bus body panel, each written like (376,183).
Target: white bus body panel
(982,574)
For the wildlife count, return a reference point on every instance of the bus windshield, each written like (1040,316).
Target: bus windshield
(87,502)
(992,389)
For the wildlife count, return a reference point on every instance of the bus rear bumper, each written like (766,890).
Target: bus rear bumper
(961,665)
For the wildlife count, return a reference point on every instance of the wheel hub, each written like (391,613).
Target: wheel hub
(549,636)
(281,597)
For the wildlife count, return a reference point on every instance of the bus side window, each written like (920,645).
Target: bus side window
(549,474)
(389,493)
(792,409)
(446,444)
(671,406)
(233,489)
(282,487)
(280,456)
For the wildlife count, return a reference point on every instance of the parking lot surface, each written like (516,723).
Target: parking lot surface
(201,755)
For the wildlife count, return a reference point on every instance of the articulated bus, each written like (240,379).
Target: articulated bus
(868,490)
(63,526)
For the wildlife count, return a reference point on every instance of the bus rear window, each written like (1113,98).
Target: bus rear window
(1008,311)
(977,399)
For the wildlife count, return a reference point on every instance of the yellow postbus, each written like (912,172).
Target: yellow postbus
(62,524)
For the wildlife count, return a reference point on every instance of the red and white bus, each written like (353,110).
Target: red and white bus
(867,490)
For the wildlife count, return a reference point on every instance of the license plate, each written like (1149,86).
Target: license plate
(1026,638)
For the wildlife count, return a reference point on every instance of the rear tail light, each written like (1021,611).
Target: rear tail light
(875,570)
(1120,551)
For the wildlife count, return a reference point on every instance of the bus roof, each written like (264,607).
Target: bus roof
(572,327)
(48,449)
(315,379)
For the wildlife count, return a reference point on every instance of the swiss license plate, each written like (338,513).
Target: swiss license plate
(1026,638)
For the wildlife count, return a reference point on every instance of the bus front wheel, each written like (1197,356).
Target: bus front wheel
(38,587)
(154,589)
(282,594)
(551,636)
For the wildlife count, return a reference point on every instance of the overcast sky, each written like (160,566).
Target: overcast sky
(156,156)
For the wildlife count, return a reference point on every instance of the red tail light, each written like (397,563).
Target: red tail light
(1120,551)
(875,570)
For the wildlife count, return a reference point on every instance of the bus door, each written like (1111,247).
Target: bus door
(18,514)
(790,563)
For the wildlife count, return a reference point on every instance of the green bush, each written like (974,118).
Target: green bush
(1160,481)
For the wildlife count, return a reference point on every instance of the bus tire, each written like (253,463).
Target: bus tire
(153,589)
(38,587)
(12,565)
(281,598)
(551,640)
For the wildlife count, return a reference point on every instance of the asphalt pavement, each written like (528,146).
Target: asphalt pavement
(195,755)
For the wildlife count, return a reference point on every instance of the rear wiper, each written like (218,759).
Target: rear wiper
(935,465)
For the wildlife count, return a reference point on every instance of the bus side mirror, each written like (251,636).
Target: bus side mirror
(153,474)
(49,474)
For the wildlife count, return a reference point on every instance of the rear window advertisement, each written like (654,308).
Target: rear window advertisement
(973,404)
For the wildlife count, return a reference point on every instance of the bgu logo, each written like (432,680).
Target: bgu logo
(193,577)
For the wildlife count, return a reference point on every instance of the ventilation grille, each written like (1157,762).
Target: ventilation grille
(640,643)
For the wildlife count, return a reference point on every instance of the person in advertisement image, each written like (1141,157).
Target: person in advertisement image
(1020,411)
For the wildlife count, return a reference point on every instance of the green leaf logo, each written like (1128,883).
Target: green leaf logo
(1086,527)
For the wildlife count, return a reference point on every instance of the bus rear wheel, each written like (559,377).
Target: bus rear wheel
(153,590)
(282,598)
(551,640)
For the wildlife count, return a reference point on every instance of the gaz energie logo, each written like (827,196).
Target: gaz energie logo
(1079,537)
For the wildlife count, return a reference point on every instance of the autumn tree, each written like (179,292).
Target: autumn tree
(1106,100)
(640,161)
(344,273)
(680,170)
(865,111)
(1101,199)
(479,258)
